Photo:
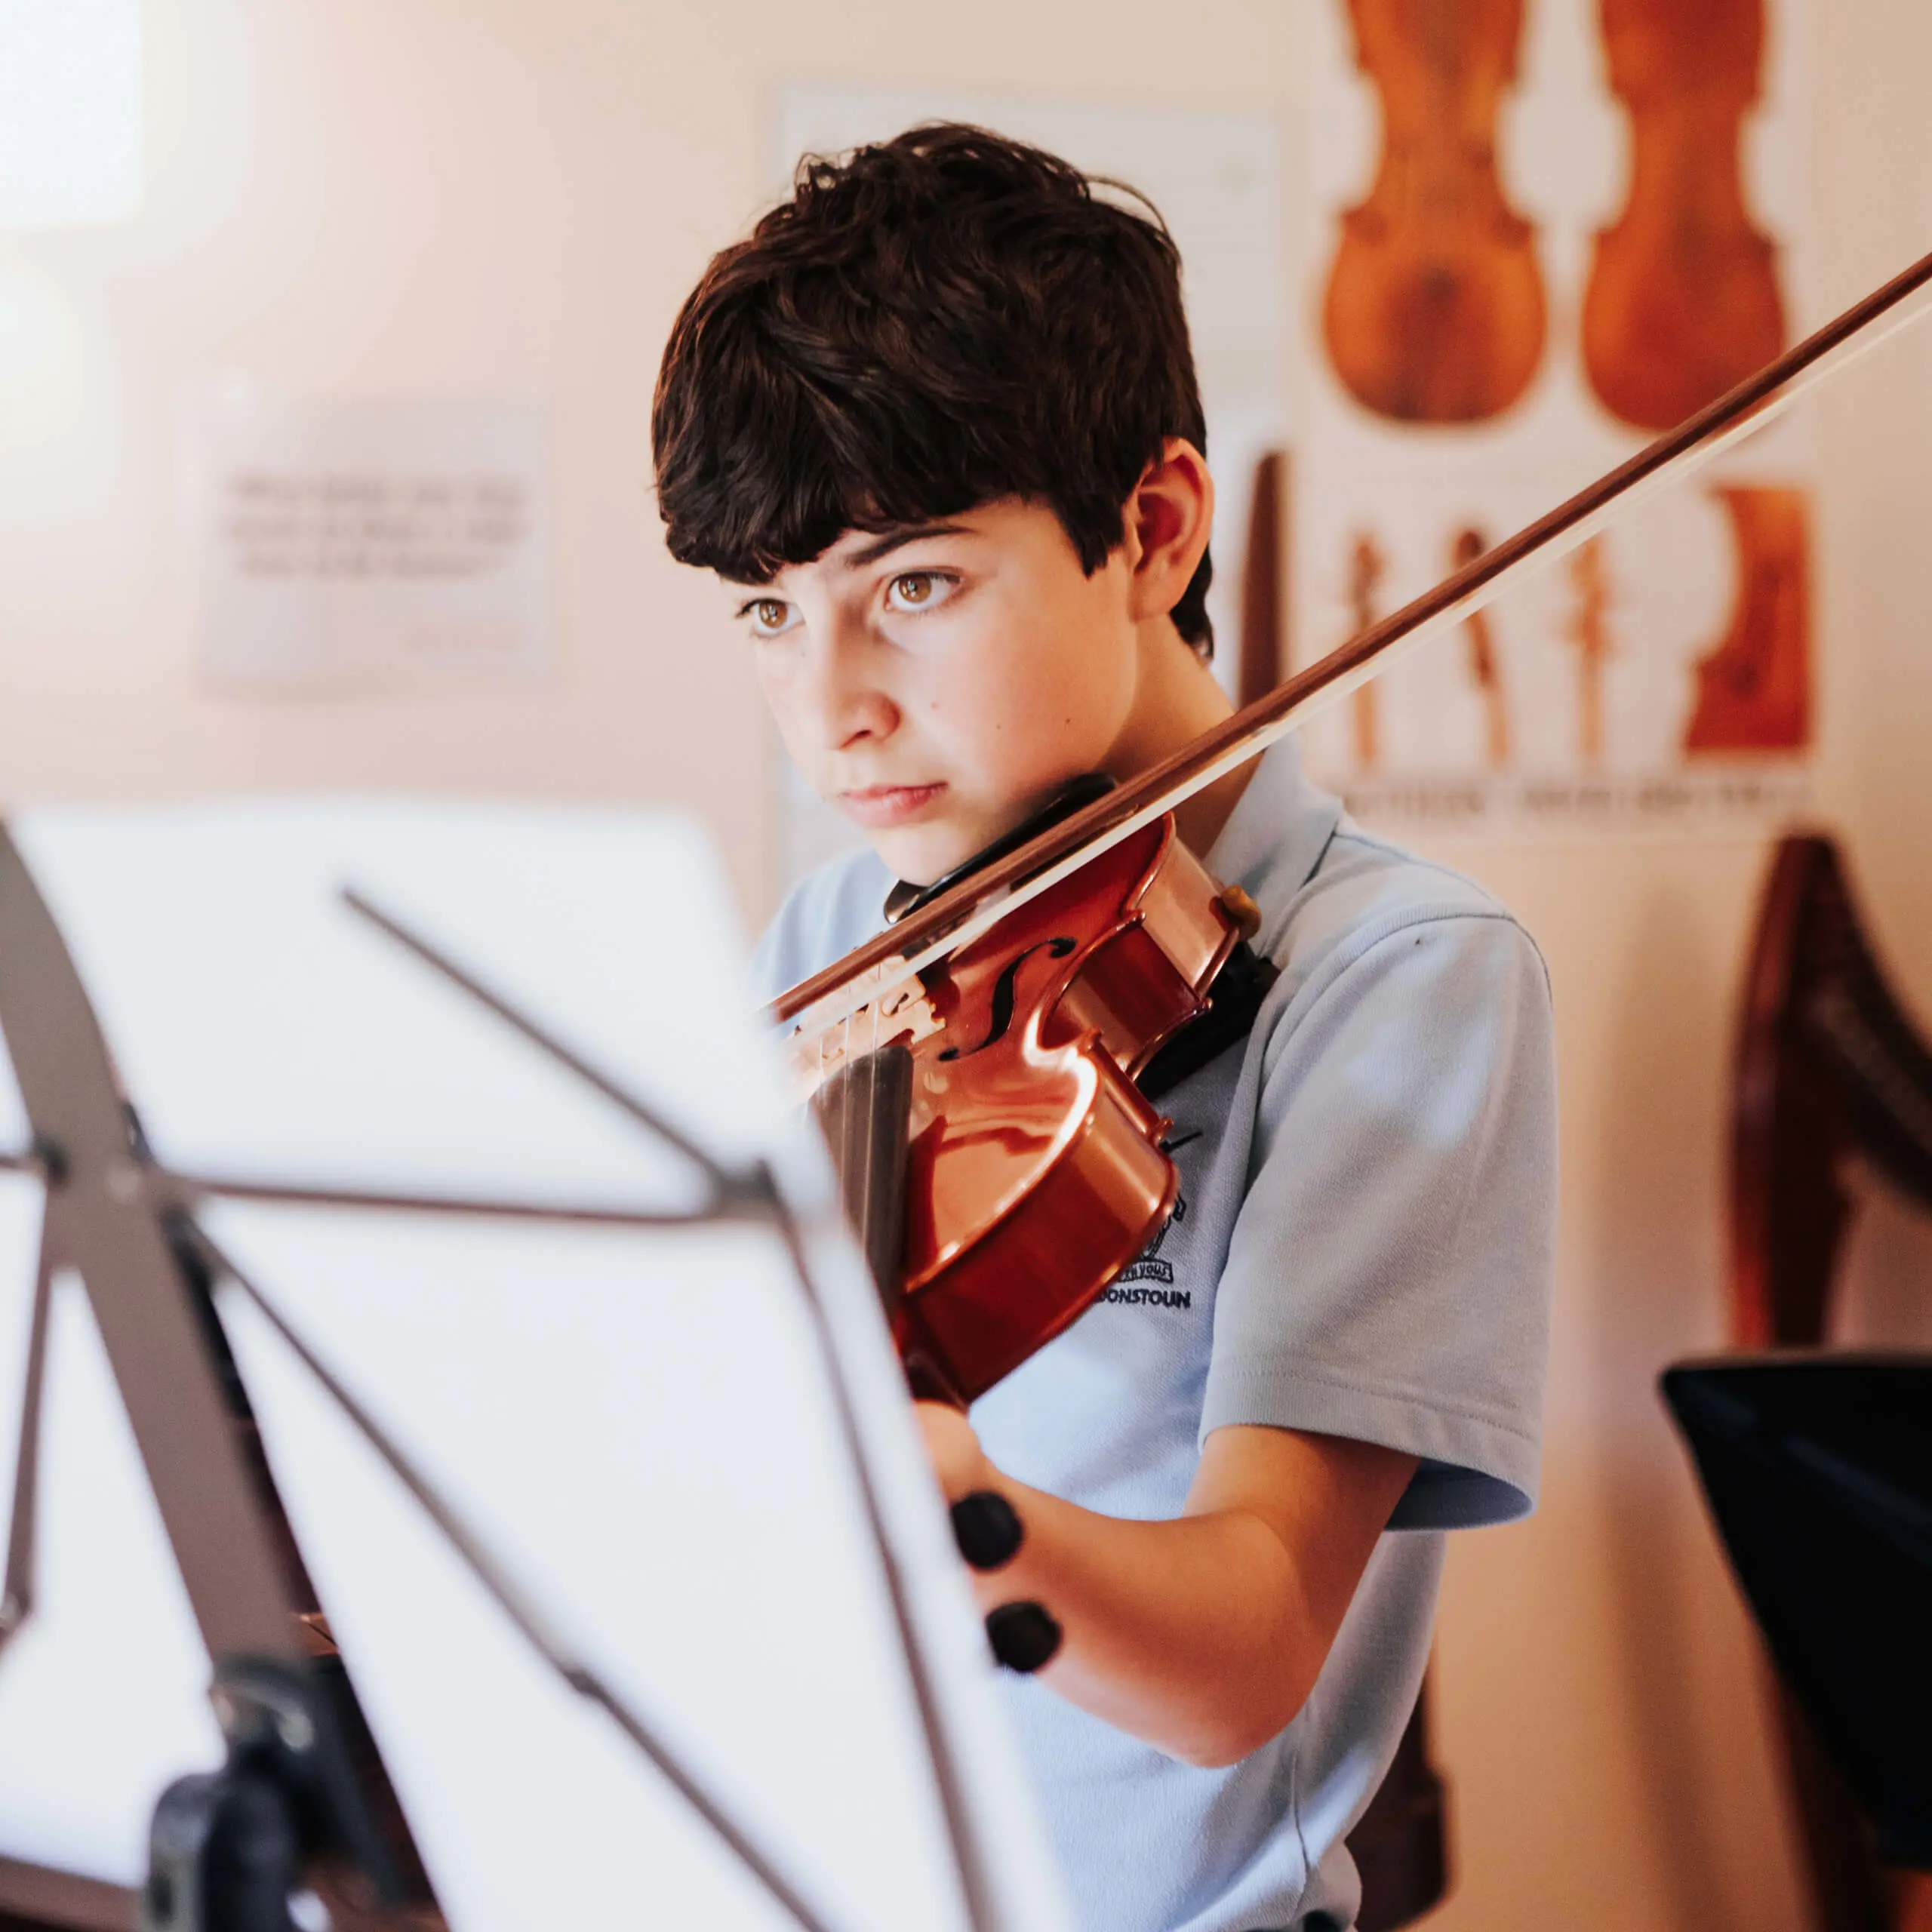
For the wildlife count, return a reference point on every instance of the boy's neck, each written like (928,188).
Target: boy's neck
(1176,700)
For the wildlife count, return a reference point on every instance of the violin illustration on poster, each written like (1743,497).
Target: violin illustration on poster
(1683,298)
(1545,230)
(1434,310)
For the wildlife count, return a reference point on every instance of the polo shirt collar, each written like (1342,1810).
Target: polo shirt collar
(1279,829)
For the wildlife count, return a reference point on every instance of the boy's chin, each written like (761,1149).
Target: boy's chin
(929,849)
(919,854)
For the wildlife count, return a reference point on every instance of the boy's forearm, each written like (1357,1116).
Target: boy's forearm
(1203,1636)
(1193,1635)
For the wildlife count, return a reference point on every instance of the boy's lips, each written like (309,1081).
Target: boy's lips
(881,805)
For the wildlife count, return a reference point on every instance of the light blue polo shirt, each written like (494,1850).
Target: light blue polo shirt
(1363,1246)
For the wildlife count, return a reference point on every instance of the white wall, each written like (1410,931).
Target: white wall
(367,196)
(444,196)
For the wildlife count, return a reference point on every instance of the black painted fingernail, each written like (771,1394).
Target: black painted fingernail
(986,1528)
(1024,1638)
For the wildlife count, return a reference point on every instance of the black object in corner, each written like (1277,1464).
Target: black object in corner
(1818,1469)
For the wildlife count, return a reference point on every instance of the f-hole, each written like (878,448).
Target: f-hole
(1003,995)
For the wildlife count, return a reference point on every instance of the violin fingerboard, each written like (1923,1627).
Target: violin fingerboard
(864,1110)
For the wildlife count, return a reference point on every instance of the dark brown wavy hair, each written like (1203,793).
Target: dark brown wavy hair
(927,325)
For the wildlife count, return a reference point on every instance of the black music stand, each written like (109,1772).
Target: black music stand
(1818,1470)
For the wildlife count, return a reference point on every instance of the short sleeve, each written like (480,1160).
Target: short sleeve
(827,914)
(773,965)
(1389,1275)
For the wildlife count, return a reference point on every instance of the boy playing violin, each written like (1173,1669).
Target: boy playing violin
(935,428)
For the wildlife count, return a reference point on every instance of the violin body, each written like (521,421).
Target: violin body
(1434,310)
(1033,1171)
(1683,299)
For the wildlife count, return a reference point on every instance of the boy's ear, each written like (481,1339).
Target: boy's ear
(1169,517)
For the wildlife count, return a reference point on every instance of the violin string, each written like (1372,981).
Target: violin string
(860,1104)
(850,1174)
(835,1063)
(842,1070)
(868,1128)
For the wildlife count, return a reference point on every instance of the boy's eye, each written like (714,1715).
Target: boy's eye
(768,615)
(919,590)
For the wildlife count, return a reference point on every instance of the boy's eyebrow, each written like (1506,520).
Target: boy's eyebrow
(880,546)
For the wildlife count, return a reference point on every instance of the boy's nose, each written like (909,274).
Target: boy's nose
(866,714)
(851,704)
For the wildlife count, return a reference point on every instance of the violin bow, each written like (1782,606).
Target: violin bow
(971,908)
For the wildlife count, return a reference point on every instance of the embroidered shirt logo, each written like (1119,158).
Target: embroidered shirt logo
(1158,1297)
(1150,1266)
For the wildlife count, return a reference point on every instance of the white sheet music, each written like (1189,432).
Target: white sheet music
(639,1424)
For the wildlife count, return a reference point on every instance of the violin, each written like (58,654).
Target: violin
(1682,293)
(1020,1168)
(1434,310)
(984,1064)
(999,1152)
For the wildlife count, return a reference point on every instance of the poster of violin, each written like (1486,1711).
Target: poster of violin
(1543,230)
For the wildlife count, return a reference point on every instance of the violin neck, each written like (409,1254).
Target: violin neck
(865,1110)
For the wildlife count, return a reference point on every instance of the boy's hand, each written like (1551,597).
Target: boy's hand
(1025,1635)
(959,1461)
(985,1525)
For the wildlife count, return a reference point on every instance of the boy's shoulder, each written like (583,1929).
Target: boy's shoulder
(827,913)
(1365,891)
(1392,1162)
(1331,893)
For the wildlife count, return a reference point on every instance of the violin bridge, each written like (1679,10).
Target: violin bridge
(900,1014)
